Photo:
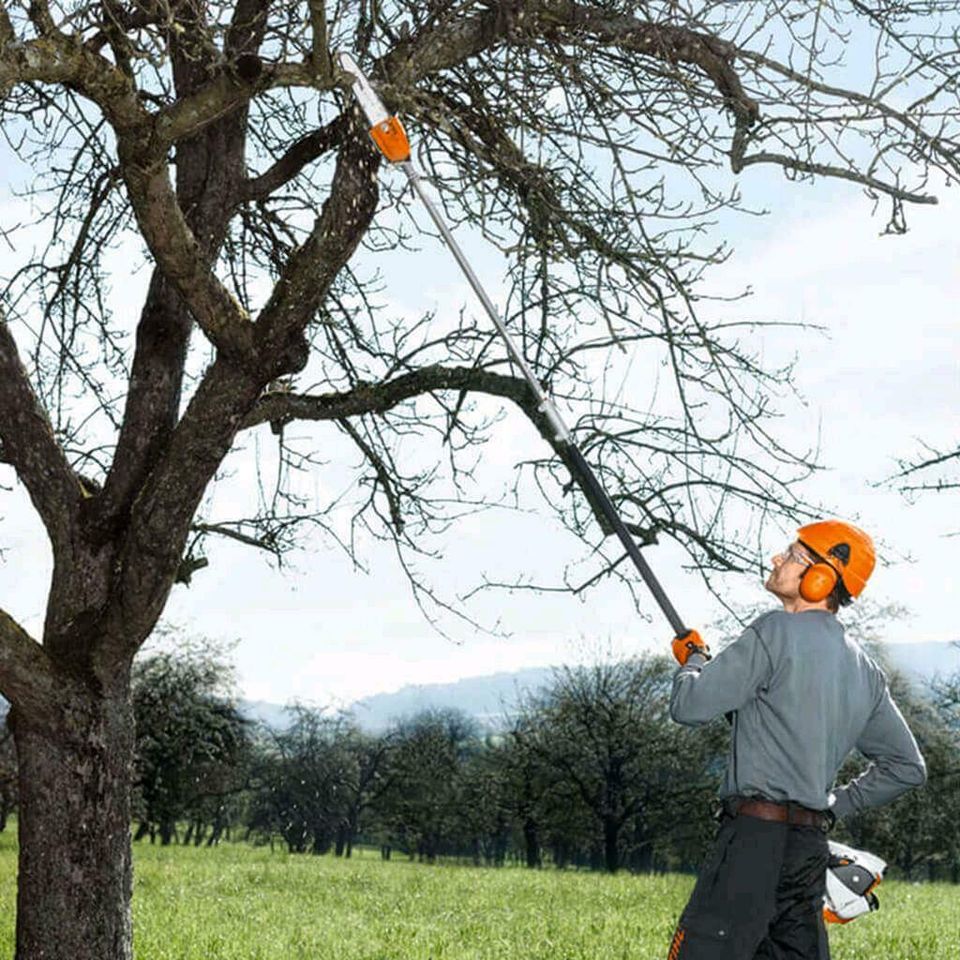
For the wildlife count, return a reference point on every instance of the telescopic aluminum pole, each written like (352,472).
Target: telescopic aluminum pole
(389,136)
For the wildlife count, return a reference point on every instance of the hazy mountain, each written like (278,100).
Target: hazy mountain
(273,715)
(923,661)
(489,698)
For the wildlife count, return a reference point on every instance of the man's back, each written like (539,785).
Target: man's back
(803,696)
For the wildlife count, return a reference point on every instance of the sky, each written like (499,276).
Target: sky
(884,375)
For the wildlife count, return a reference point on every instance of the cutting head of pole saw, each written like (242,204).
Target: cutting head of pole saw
(386,131)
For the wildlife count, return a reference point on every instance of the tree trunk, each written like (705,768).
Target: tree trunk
(168,833)
(531,841)
(341,844)
(611,844)
(75,874)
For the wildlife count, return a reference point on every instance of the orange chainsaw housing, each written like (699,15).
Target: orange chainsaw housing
(391,139)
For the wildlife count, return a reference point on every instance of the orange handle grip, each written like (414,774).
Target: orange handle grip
(688,643)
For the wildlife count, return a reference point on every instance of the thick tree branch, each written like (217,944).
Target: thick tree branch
(190,114)
(26,677)
(153,400)
(39,13)
(305,151)
(143,164)
(246,28)
(180,256)
(381,397)
(164,509)
(162,513)
(312,268)
(60,59)
(450,44)
(31,448)
(210,169)
(7,34)
(320,52)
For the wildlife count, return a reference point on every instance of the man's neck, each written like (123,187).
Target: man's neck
(800,605)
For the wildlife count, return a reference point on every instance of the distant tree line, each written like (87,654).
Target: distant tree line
(589,772)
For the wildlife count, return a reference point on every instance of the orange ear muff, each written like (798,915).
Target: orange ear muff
(817,582)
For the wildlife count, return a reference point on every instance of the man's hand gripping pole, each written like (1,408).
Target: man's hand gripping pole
(388,134)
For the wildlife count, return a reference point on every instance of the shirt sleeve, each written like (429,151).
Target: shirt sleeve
(896,763)
(702,691)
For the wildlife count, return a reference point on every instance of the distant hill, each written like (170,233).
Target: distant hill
(273,715)
(489,698)
(923,661)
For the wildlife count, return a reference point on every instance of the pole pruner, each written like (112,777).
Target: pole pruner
(388,134)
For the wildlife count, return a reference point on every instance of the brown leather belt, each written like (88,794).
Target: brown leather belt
(779,812)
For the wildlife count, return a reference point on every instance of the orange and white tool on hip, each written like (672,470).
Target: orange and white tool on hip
(391,139)
(852,877)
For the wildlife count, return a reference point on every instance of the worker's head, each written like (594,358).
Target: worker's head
(825,568)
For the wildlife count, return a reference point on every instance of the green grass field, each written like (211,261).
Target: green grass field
(240,903)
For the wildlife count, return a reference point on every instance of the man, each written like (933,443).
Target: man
(801,696)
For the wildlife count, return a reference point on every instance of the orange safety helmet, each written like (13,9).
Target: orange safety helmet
(844,553)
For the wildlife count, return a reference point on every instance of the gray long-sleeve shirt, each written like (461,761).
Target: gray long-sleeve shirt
(803,697)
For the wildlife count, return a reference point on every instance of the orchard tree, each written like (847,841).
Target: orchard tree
(305,780)
(421,802)
(604,733)
(593,142)
(365,781)
(193,745)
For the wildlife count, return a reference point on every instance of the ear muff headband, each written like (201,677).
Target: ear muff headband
(817,582)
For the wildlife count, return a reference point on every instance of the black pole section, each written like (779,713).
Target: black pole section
(585,476)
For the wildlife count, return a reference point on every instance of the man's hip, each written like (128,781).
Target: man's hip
(759,893)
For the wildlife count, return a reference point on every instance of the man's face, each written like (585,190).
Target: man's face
(788,568)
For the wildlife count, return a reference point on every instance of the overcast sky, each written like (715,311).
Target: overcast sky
(886,375)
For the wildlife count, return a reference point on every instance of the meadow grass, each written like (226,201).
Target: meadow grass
(240,903)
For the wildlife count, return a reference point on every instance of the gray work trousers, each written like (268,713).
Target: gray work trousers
(759,895)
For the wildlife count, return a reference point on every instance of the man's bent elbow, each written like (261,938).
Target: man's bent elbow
(680,712)
(911,775)
(918,773)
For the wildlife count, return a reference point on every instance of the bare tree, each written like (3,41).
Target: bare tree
(593,142)
(603,733)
